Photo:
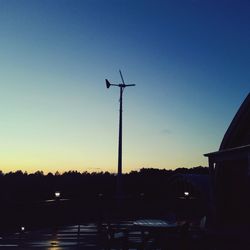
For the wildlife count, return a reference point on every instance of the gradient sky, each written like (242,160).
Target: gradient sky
(189,59)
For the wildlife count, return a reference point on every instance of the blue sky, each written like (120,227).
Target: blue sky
(189,60)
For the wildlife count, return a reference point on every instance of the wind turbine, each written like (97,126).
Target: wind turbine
(122,86)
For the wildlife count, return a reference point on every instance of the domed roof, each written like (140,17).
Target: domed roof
(238,133)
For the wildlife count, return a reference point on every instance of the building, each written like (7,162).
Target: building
(229,169)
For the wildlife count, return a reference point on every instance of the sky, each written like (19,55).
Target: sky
(189,59)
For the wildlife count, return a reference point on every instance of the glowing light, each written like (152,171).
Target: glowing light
(57,194)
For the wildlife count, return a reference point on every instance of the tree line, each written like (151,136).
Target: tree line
(21,186)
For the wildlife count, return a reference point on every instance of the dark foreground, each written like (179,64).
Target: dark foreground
(123,236)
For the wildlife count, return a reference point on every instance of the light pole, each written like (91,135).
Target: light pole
(122,86)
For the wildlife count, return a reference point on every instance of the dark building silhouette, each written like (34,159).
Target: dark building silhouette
(230,171)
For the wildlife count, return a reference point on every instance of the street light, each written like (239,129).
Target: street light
(122,86)
(57,195)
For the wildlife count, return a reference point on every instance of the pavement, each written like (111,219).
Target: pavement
(68,237)
(86,236)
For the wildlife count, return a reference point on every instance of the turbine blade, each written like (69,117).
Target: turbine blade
(121,76)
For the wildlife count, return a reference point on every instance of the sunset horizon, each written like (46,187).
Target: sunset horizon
(188,59)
